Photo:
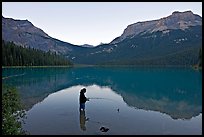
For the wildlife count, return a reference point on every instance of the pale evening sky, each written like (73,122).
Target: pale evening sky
(91,22)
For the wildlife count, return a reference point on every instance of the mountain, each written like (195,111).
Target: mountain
(24,33)
(87,45)
(172,40)
(178,20)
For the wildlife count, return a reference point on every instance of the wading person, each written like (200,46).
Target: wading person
(82,99)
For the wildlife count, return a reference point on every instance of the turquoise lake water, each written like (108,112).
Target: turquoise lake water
(126,100)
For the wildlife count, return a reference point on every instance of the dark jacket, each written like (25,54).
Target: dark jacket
(82,98)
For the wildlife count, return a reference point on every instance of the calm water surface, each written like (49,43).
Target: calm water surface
(124,100)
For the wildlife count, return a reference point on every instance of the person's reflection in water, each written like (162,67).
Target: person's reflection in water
(83,120)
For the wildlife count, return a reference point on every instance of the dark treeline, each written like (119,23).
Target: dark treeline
(13,55)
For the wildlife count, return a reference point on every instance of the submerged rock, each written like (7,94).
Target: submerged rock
(104,129)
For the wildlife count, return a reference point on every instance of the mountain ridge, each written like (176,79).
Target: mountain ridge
(24,33)
(186,18)
(179,35)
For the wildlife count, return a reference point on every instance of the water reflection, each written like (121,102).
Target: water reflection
(59,114)
(36,83)
(174,91)
(83,119)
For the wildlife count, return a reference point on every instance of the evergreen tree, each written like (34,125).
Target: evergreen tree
(13,55)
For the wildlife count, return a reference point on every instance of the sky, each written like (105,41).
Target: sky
(91,22)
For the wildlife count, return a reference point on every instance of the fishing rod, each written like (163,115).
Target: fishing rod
(102,98)
(115,101)
(98,98)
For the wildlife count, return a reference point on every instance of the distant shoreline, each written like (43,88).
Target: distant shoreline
(83,65)
(35,66)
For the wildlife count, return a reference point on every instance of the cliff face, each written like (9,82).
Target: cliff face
(178,20)
(24,33)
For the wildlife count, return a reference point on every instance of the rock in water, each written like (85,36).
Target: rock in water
(104,129)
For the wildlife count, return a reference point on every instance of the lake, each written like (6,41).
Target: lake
(125,100)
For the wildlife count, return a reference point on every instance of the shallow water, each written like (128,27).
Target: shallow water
(124,100)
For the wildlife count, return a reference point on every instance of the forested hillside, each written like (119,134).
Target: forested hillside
(13,55)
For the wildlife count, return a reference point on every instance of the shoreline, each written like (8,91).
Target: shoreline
(84,65)
(36,66)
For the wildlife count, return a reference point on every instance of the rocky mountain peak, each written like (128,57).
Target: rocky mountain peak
(177,13)
(25,34)
(185,16)
(21,26)
(177,20)
(87,45)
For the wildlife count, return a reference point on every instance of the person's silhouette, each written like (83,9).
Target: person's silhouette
(83,120)
(82,99)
